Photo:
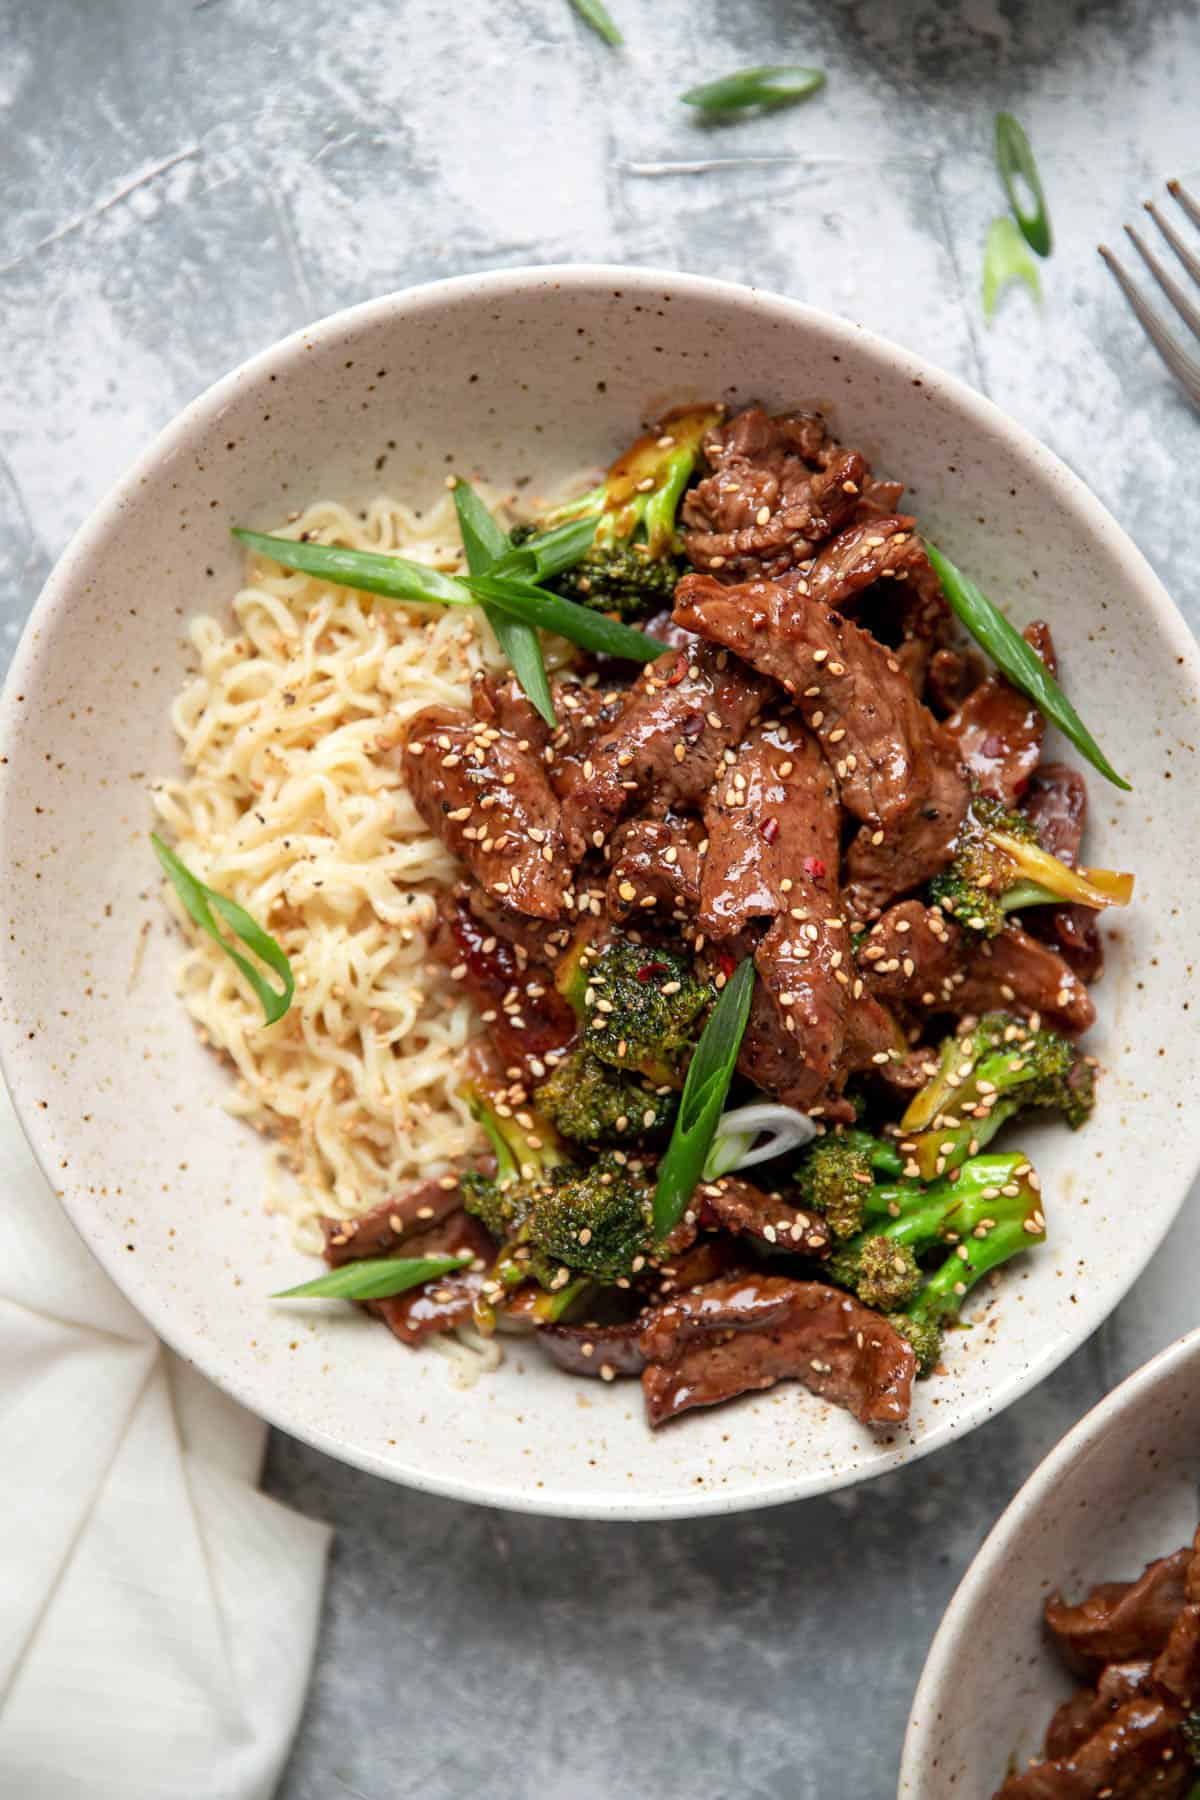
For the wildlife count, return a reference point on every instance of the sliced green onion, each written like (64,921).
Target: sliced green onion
(541,558)
(485,543)
(756,1133)
(1014,159)
(1006,259)
(709,1074)
(201,902)
(591,630)
(774,84)
(1016,660)
(392,576)
(376,1279)
(593,13)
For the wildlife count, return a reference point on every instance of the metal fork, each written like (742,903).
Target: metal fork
(1184,367)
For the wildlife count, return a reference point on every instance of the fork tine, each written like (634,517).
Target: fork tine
(1186,255)
(1178,192)
(1185,368)
(1188,312)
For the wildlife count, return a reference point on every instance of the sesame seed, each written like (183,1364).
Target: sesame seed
(763,516)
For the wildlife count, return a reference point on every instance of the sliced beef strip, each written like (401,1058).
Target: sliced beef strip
(383,1229)
(742,1209)
(952,675)
(1176,1670)
(501,702)
(655,870)
(1057,804)
(1090,1708)
(811,1024)
(602,1351)
(897,770)
(879,497)
(526,1021)
(491,804)
(746,1333)
(1139,1752)
(1120,1620)
(777,488)
(583,709)
(913,956)
(449,1300)
(999,731)
(1015,972)
(677,721)
(917,958)
(773,824)
(876,550)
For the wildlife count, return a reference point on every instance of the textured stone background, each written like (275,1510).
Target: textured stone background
(186,180)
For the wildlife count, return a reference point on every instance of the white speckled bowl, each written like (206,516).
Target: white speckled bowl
(1120,1489)
(533,373)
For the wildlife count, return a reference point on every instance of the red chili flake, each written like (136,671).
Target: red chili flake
(814,868)
(679,671)
(693,725)
(649,970)
(726,962)
(769,829)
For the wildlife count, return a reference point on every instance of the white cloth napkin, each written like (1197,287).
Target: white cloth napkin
(157,1613)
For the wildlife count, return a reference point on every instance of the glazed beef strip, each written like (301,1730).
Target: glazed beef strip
(999,732)
(1139,1752)
(1090,1708)
(772,822)
(876,550)
(677,720)
(773,844)
(449,1300)
(746,1333)
(601,1351)
(777,488)
(483,789)
(655,870)
(382,1230)
(1057,804)
(917,958)
(742,1209)
(1120,1620)
(898,771)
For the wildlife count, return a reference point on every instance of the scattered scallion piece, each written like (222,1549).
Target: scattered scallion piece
(591,630)
(1016,660)
(394,577)
(1006,259)
(378,1278)
(202,902)
(541,558)
(593,13)
(709,1074)
(1014,159)
(756,1133)
(771,85)
(485,543)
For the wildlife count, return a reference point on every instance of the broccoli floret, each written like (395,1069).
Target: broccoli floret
(996,1214)
(999,868)
(837,1175)
(882,1273)
(553,1218)
(633,564)
(637,1007)
(592,1103)
(995,1069)
(592,1221)
(925,1337)
(985,1214)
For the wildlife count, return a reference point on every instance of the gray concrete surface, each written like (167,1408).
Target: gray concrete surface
(185,180)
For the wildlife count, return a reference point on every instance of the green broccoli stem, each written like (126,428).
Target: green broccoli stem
(1013,1231)
(883,1157)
